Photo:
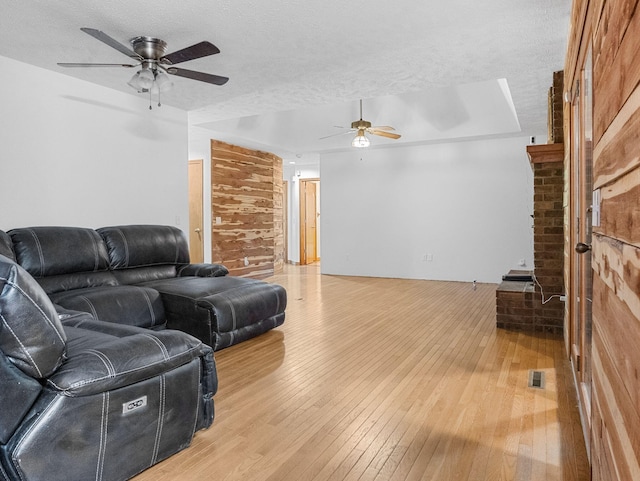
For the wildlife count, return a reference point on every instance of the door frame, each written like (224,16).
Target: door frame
(196,212)
(302,184)
(285,218)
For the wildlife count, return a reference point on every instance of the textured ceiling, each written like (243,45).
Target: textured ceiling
(299,67)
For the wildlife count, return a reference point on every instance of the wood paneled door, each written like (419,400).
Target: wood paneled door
(580,318)
(196,239)
(309,221)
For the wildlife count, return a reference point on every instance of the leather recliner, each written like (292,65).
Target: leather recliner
(75,404)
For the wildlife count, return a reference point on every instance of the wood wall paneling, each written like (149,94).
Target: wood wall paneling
(279,237)
(618,150)
(616,70)
(613,27)
(248,202)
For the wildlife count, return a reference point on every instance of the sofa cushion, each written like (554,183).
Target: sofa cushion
(97,361)
(131,305)
(46,251)
(63,258)
(31,335)
(145,245)
(235,302)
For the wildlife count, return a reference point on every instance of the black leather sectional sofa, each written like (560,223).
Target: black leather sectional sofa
(106,347)
(141,275)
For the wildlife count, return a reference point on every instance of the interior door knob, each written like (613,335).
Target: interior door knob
(197,229)
(581,247)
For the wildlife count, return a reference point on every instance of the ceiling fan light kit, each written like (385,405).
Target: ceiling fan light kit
(156,65)
(360,140)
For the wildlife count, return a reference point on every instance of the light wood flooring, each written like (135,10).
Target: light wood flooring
(387,379)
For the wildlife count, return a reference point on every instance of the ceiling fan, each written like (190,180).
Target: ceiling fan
(364,126)
(149,54)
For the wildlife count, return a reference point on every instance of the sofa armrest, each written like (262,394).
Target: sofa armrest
(99,356)
(203,270)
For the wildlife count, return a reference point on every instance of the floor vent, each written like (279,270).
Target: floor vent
(536,379)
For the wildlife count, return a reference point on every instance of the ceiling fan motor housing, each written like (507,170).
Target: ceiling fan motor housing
(149,48)
(360,124)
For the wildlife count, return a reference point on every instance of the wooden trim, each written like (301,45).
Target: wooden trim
(543,153)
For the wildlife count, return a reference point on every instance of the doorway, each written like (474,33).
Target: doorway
(285,218)
(196,186)
(309,221)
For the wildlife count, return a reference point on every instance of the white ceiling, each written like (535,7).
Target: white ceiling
(435,70)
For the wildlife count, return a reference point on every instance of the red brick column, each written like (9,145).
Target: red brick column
(548,234)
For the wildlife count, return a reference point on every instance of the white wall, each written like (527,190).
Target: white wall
(73,153)
(465,205)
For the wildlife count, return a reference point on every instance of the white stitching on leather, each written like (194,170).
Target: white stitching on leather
(176,243)
(161,345)
(11,283)
(39,248)
(234,321)
(91,305)
(126,247)
(105,360)
(96,254)
(24,349)
(104,424)
(151,312)
(120,373)
(199,396)
(161,409)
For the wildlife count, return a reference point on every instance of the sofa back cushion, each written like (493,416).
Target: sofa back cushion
(139,253)
(63,258)
(5,246)
(31,335)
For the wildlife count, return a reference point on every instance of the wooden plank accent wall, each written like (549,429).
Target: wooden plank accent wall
(613,27)
(278,218)
(246,194)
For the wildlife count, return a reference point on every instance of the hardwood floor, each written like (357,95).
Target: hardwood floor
(387,379)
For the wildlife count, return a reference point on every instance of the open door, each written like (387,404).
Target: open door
(582,216)
(196,240)
(285,218)
(308,221)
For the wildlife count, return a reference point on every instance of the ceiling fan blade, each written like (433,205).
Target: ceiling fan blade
(382,127)
(382,133)
(203,77)
(350,131)
(202,49)
(62,64)
(104,38)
